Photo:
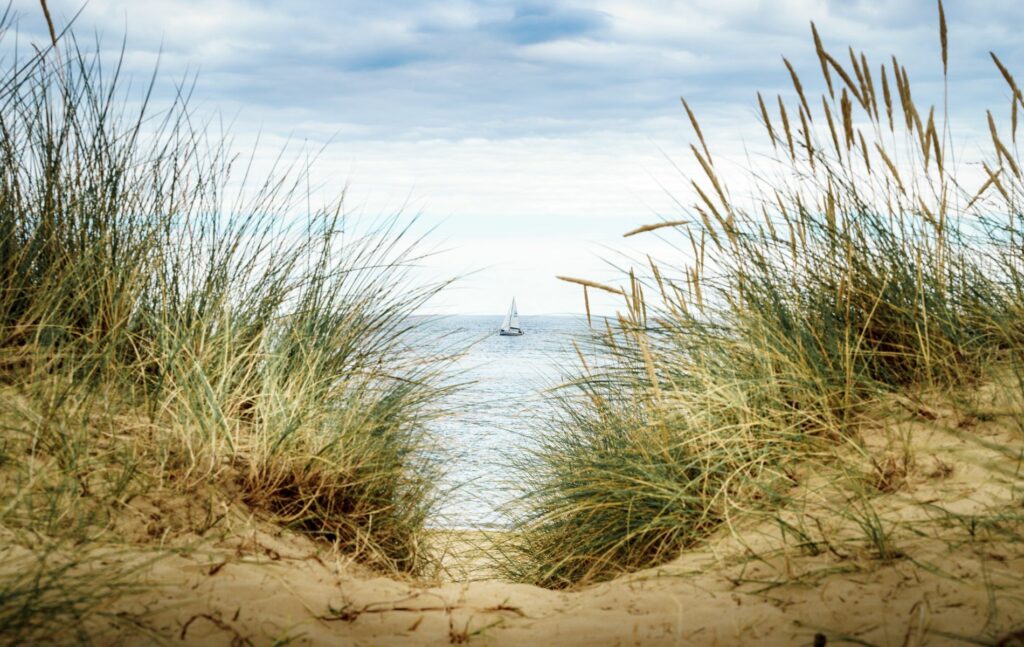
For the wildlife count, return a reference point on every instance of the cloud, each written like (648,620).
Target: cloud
(541,22)
(561,111)
(496,69)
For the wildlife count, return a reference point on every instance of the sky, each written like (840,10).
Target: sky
(527,136)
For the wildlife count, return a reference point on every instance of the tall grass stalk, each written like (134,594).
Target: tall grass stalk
(163,329)
(862,267)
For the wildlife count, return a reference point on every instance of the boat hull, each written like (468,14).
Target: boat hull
(510,333)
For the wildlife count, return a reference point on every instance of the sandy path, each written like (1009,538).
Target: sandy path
(291,595)
(950,577)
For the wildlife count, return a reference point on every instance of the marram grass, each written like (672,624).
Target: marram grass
(163,330)
(863,267)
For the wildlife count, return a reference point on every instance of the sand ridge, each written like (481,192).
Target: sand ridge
(943,583)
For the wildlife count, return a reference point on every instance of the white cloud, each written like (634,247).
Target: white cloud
(545,121)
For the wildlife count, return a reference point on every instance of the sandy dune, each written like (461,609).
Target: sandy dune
(290,593)
(945,582)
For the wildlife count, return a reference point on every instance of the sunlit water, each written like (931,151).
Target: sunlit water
(499,409)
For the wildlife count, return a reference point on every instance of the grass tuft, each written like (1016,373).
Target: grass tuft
(171,323)
(862,269)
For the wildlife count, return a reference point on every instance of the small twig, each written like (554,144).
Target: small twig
(238,639)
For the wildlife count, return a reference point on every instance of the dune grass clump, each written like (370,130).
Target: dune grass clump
(171,323)
(862,266)
(46,594)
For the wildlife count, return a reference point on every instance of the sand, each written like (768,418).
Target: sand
(295,597)
(249,582)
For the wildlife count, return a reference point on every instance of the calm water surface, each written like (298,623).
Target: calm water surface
(499,409)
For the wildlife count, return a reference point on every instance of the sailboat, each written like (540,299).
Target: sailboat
(510,326)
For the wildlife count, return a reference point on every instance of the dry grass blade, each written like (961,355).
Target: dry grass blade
(655,226)
(766,119)
(1013,120)
(592,284)
(696,128)
(785,126)
(993,179)
(887,97)
(981,192)
(710,173)
(847,110)
(708,203)
(850,85)
(797,86)
(910,110)
(808,142)
(832,128)
(49,23)
(903,93)
(862,83)
(943,39)
(586,305)
(822,59)
(864,151)
(1010,81)
(926,138)
(869,86)
(936,146)
(1002,151)
(708,226)
(892,168)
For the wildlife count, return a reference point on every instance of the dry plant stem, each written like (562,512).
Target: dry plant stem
(161,336)
(871,272)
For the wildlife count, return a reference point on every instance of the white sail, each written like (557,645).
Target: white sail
(506,324)
(510,325)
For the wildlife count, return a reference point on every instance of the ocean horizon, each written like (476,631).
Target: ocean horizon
(499,410)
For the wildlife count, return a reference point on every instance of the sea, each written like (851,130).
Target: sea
(499,410)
